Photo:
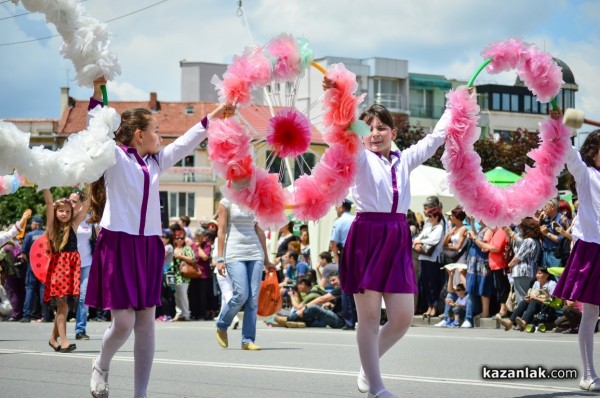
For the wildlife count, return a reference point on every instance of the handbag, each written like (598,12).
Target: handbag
(511,301)
(189,271)
(269,299)
(427,249)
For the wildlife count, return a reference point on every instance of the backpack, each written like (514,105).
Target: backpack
(563,250)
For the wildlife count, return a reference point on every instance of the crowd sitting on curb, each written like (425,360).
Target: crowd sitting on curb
(466,271)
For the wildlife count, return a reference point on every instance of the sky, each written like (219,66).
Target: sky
(442,37)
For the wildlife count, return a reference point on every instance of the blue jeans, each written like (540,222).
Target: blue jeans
(448,309)
(31,285)
(549,260)
(473,307)
(319,316)
(82,309)
(349,310)
(245,280)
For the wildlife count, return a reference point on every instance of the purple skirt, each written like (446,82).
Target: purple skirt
(126,272)
(377,255)
(580,279)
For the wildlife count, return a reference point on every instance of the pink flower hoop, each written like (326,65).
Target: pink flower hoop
(230,148)
(503,206)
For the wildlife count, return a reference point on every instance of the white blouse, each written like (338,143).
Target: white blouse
(132,199)
(586,225)
(382,185)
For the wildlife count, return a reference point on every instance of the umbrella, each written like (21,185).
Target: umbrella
(501,177)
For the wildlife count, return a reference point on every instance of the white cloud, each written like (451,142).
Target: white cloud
(435,36)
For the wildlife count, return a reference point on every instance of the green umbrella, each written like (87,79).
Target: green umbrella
(501,177)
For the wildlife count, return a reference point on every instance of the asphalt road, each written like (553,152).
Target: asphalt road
(427,362)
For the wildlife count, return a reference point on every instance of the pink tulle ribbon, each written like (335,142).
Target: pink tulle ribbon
(494,205)
(540,73)
(260,192)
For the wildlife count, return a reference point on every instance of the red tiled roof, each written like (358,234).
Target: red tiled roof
(172,117)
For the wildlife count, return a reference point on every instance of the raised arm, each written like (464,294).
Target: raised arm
(49,210)
(428,145)
(185,144)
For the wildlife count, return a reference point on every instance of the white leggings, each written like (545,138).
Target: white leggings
(123,323)
(374,341)
(589,318)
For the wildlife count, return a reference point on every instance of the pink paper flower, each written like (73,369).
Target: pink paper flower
(289,133)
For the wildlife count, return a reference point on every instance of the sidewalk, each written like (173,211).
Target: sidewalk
(483,323)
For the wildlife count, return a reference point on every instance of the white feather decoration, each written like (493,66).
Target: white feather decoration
(83,158)
(86,42)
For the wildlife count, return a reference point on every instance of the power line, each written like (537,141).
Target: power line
(57,35)
(25,13)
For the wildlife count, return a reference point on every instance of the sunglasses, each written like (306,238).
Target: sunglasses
(180,238)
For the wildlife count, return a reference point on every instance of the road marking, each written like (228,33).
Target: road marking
(322,372)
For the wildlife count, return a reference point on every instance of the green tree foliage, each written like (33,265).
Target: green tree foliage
(12,206)
(508,152)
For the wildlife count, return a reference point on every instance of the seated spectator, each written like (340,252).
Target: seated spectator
(325,268)
(455,299)
(569,322)
(323,311)
(303,293)
(532,304)
(293,269)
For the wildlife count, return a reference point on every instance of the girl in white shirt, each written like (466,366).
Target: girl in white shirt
(126,272)
(377,261)
(579,281)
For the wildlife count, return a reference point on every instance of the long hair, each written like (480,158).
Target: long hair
(131,120)
(59,235)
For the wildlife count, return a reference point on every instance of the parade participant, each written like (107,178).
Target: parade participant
(126,272)
(64,270)
(579,279)
(381,266)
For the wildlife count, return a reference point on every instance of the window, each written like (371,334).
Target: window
(189,110)
(496,101)
(505,102)
(300,165)
(421,103)
(527,103)
(514,103)
(182,204)
(304,165)
(483,101)
(387,93)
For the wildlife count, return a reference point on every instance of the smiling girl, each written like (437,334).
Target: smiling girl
(377,260)
(63,277)
(127,267)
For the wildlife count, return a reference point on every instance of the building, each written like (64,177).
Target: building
(505,109)
(190,187)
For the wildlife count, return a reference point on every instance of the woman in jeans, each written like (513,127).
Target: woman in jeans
(242,251)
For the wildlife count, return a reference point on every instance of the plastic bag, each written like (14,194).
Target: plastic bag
(269,299)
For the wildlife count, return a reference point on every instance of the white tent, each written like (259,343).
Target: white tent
(427,181)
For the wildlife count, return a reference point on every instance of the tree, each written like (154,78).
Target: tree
(507,152)
(12,206)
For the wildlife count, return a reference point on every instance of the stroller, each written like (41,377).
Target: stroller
(544,320)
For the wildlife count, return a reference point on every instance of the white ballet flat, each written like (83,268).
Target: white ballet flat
(362,383)
(99,389)
(590,385)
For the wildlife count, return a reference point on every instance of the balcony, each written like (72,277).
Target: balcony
(393,102)
(427,112)
(189,175)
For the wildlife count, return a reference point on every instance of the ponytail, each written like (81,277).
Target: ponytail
(97,194)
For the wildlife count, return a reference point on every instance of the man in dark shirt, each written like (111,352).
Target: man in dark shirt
(31,282)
